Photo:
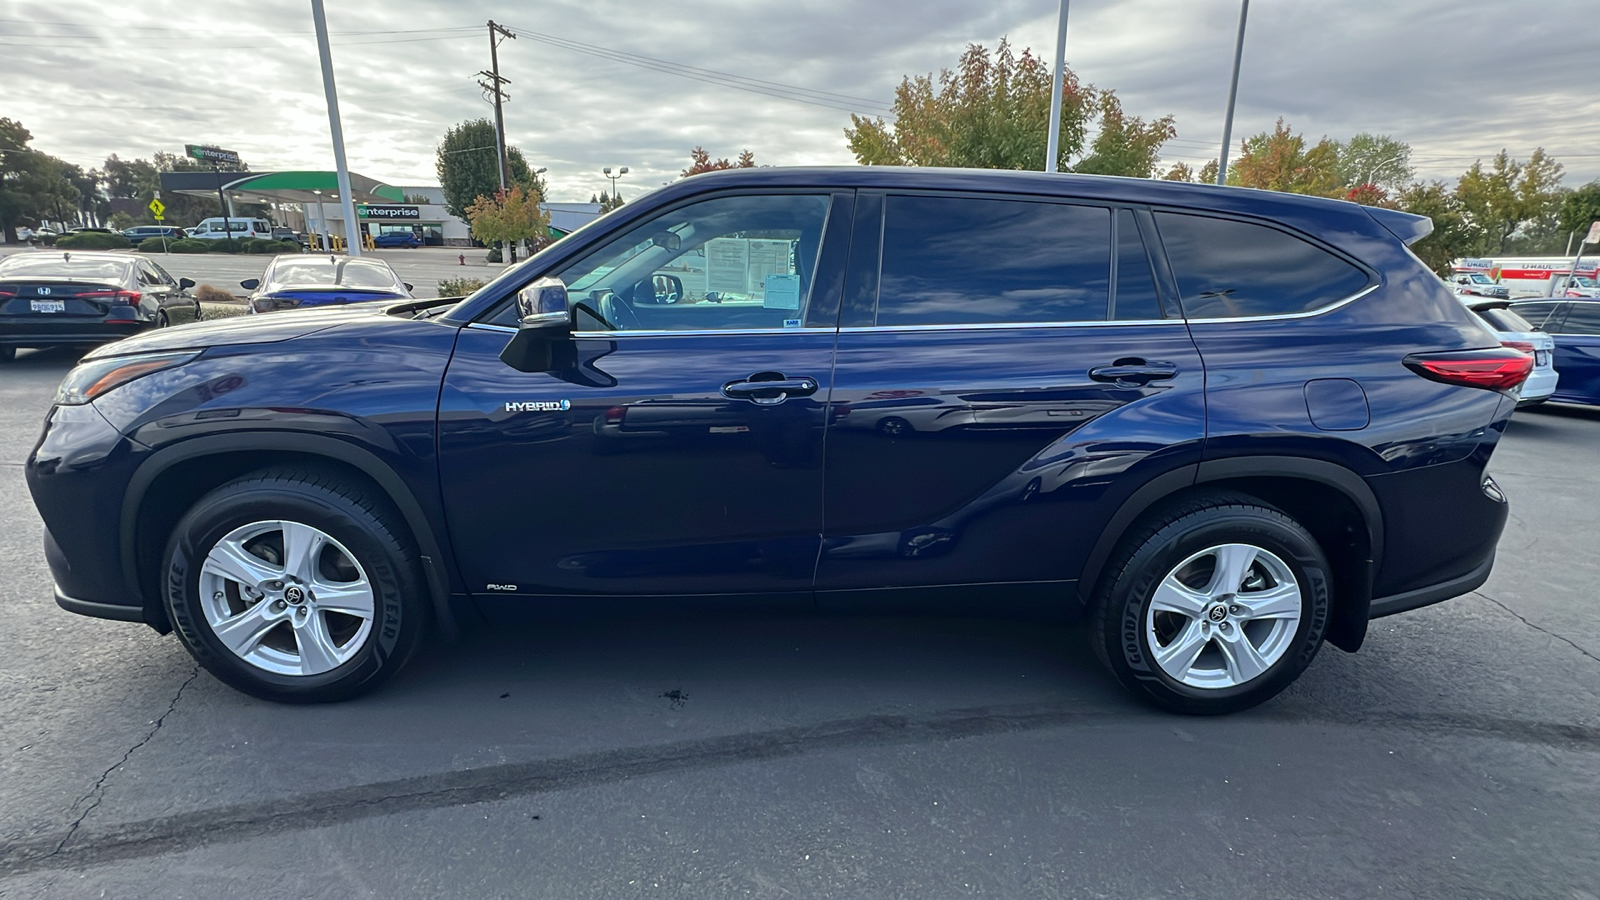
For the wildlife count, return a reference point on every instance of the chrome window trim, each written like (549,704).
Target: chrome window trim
(971,326)
(1321,310)
(608,335)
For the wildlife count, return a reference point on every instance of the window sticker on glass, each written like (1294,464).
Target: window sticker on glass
(782,292)
(727,262)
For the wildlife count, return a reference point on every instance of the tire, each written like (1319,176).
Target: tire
(1176,553)
(161,319)
(292,645)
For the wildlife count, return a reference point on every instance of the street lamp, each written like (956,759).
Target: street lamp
(620,172)
(1233,93)
(322,222)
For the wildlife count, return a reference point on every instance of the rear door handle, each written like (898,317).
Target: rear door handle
(1129,372)
(770,393)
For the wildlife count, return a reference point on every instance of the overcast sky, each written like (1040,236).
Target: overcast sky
(1458,79)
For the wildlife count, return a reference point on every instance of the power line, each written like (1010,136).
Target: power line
(776,89)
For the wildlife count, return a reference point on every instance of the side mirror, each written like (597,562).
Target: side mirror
(543,304)
(546,320)
(250,284)
(185,283)
(407,284)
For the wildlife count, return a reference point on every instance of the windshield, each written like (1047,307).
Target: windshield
(1478,278)
(324,272)
(64,266)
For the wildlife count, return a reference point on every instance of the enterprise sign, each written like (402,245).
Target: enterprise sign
(388,212)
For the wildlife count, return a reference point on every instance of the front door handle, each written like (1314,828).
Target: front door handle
(1134,372)
(770,393)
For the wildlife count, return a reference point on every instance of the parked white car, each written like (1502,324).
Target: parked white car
(1515,331)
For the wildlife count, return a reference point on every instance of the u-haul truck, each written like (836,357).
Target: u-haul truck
(1537,276)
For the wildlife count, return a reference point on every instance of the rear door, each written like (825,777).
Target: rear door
(1578,353)
(676,448)
(1008,373)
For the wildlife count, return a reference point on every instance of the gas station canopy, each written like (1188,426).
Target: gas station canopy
(280,187)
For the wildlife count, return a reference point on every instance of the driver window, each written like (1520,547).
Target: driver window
(731,263)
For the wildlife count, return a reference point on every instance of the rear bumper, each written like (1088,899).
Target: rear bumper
(1437,593)
(1540,385)
(99,610)
(24,334)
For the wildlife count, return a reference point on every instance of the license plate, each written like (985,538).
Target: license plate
(48,306)
(1541,357)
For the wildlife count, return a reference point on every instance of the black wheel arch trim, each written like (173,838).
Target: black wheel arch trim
(161,461)
(1347,628)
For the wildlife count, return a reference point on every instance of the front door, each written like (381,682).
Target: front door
(676,449)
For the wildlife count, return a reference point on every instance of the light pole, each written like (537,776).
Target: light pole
(1233,92)
(1057,86)
(620,172)
(322,223)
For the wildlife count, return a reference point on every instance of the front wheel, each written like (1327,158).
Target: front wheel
(1213,607)
(292,586)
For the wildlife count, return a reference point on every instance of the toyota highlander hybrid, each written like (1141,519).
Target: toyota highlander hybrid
(1224,425)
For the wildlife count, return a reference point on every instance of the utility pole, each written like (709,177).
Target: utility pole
(495,85)
(1233,92)
(1057,87)
(352,228)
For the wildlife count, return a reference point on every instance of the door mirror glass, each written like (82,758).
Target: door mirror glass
(185,283)
(250,284)
(543,304)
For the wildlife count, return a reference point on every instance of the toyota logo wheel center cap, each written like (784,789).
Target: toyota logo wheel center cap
(294,595)
(1217,614)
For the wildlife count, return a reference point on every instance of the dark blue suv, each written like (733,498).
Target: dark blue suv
(1225,425)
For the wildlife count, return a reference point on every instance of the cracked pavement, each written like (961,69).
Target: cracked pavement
(1457,755)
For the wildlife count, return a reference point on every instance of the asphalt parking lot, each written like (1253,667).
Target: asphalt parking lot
(1456,756)
(422,268)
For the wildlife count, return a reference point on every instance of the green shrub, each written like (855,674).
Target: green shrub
(157,245)
(187,245)
(261,245)
(93,240)
(494,255)
(459,287)
(227,245)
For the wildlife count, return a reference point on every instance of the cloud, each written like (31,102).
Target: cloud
(1458,80)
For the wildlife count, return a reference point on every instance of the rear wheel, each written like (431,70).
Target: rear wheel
(1214,606)
(291,586)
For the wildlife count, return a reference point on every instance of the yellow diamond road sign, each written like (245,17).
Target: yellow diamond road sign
(157,207)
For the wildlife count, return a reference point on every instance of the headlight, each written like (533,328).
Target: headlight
(91,379)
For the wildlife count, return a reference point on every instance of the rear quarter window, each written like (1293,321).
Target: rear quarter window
(1230,269)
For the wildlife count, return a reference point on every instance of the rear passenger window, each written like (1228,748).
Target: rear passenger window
(1582,318)
(1228,269)
(964,261)
(1136,284)
(1544,315)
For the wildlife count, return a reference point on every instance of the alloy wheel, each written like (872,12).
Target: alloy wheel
(286,598)
(1222,617)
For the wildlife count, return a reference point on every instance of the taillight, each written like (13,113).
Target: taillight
(1499,369)
(614,415)
(1524,346)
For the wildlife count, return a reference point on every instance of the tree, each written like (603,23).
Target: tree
(1375,159)
(1498,201)
(33,185)
(1280,161)
(1579,209)
(469,168)
(607,203)
(993,112)
(1453,235)
(1125,145)
(508,216)
(700,161)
